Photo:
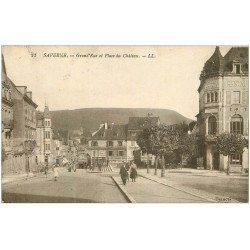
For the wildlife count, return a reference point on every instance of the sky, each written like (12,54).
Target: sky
(165,77)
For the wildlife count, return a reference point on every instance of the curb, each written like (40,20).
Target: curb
(127,196)
(225,199)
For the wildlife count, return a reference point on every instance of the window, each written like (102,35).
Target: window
(48,123)
(119,143)
(120,153)
(110,143)
(212,125)
(236,159)
(133,133)
(47,146)
(212,97)
(216,96)
(111,153)
(94,143)
(236,97)
(208,97)
(47,134)
(236,124)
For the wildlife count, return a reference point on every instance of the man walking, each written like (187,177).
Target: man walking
(124,174)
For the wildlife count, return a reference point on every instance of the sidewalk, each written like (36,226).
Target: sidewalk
(198,172)
(145,190)
(210,197)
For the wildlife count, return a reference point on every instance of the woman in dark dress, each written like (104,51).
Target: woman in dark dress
(133,172)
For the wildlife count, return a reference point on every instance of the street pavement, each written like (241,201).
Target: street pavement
(234,186)
(147,191)
(78,186)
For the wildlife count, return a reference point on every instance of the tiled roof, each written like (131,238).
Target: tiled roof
(114,132)
(215,64)
(219,65)
(39,115)
(239,54)
(139,123)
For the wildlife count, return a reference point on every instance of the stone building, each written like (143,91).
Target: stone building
(115,144)
(44,136)
(19,127)
(108,145)
(7,122)
(223,106)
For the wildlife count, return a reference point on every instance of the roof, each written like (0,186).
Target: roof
(46,113)
(219,65)
(114,132)
(215,64)
(3,66)
(39,115)
(139,123)
(237,54)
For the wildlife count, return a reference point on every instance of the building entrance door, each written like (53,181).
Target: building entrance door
(216,161)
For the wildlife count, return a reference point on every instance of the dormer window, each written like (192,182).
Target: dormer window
(236,68)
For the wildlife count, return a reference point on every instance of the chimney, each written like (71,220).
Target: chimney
(22,89)
(29,94)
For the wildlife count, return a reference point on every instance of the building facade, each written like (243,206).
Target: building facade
(19,127)
(223,106)
(108,145)
(114,144)
(44,136)
(7,122)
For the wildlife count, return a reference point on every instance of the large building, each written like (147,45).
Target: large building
(108,144)
(114,143)
(44,136)
(19,127)
(7,122)
(223,106)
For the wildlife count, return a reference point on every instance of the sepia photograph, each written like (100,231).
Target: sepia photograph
(125,124)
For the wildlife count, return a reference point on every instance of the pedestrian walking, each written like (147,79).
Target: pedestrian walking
(124,174)
(133,172)
(127,166)
(27,167)
(46,169)
(55,170)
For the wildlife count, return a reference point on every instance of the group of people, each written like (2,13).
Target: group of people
(128,170)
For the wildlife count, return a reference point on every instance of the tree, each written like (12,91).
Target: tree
(229,144)
(147,141)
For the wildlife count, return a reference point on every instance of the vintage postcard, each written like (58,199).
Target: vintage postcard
(124,124)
